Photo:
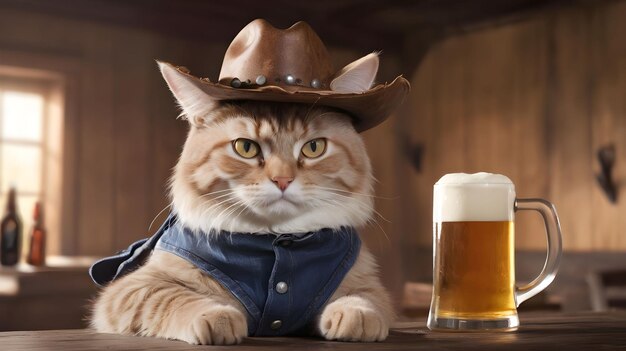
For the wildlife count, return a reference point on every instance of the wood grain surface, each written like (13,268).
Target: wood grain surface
(600,331)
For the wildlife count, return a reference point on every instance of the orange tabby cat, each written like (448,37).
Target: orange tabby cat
(253,167)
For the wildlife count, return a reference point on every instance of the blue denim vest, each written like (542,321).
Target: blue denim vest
(282,281)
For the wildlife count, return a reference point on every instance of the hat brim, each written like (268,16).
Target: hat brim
(369,108)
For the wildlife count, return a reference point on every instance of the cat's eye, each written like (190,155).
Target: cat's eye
(314,148)
(246,148)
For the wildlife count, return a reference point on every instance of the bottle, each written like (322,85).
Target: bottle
(10,232)
(37,251)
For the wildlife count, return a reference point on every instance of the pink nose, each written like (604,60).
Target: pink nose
(282,182)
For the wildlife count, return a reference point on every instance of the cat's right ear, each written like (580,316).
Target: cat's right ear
(194,102)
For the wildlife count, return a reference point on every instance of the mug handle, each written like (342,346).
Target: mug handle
(553,233)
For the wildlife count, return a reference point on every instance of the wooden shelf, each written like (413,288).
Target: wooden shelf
(54,296)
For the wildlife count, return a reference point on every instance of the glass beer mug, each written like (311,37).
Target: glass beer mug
(473,263)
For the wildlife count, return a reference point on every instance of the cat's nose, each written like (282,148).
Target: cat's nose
(282,182)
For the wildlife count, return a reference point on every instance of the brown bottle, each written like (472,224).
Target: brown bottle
(10,233)
(37,251)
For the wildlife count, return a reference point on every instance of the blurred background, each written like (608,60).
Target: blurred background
(534,89)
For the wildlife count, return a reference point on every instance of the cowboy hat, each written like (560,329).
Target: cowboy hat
(264,63)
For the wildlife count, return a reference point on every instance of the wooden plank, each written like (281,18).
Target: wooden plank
(96,143)
(384,236)
(449,124)
(568,127)
(415,202)
(131,68)
(582,331)
(608,122)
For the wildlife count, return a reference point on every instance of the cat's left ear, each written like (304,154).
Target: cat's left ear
(194,102)
(358,76)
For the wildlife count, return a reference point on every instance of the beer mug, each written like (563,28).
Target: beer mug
(473,264)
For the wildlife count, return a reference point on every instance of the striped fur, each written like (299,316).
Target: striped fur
(215,189)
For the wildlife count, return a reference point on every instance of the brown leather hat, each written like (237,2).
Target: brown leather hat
(264,63)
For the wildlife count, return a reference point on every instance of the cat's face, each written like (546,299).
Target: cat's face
(264,167)
(271,167)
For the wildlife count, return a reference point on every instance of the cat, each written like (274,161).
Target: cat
(257,168)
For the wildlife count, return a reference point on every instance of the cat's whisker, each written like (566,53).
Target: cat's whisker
(234,220)
(382,217)
(211,205)
(373,210)
(229,197)
(237,204)
(243,111)
(381,228)
(220,196)
(375,179)
(306,118)
(354,193)
(216,192)
(158,214)
(219,216)
(236,217)
(369,221)
(210,208)
(226,216)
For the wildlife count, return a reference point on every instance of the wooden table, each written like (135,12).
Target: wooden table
(587,331)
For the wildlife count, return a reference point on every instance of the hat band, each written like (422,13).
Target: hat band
(284,81)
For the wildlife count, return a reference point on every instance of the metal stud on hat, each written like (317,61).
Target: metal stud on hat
(260,80)
(315,83)
(235,83)
(290,79)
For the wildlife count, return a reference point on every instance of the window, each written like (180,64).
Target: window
(29,154)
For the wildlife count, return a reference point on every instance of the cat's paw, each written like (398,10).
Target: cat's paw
(218,325)
(345,321)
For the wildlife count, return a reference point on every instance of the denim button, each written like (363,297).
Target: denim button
(282,287)
(276,324)
(285,243)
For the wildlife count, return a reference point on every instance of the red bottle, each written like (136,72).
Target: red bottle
(10,233)
(37,251)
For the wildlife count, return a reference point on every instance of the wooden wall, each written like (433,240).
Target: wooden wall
(121,133)
(534,100)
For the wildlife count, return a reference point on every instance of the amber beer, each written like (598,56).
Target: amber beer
(474,264)
(475,261)
(37,251)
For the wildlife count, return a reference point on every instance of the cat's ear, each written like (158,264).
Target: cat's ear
(358,76)
(194,102)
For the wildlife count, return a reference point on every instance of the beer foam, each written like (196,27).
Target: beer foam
(474,178)
(473,197)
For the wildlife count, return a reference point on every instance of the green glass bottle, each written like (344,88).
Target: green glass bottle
(10,232)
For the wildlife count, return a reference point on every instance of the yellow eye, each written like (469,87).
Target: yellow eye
(314,148)
(246,148)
